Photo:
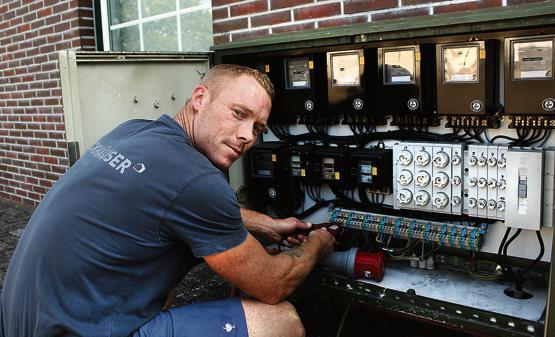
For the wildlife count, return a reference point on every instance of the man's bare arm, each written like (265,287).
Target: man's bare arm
(272,229)
(270,278)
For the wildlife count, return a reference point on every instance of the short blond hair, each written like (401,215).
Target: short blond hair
(213,78)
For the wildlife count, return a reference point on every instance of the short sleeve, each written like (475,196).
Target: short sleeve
(205,215)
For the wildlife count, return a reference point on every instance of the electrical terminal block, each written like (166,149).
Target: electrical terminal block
(445,234)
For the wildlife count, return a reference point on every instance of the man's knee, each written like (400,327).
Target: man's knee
(292,318)
(265,320)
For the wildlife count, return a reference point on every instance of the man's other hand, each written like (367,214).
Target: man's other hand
(284,231)
(327,241)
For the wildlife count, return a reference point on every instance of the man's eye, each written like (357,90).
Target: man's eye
(238,113)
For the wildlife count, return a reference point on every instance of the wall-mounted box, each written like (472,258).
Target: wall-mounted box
(406,80)
(529,78)
(467,78)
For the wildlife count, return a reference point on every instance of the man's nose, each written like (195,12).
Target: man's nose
(245,132)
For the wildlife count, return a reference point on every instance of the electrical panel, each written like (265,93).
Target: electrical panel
(411,190)
(428,177)
(467,82)
(529,81)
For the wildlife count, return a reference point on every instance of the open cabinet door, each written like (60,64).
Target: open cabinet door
(100,90)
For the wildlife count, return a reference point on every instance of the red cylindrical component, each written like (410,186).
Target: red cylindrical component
(369,265)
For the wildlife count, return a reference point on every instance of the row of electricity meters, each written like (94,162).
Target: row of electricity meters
(460,78)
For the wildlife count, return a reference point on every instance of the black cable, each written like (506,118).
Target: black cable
(540,255)
(501,246)
(506,266)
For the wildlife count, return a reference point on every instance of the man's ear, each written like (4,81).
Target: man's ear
(199,97)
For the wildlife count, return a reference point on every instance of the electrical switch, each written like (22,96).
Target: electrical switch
(522,187)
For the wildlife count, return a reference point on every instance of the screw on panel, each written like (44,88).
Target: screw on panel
(172,96)
(156,104)
(135,99)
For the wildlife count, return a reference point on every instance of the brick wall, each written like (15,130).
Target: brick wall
(238,19)
(33,150)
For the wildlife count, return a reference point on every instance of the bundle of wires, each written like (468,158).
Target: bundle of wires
(518,277)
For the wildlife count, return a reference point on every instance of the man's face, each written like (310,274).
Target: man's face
(229,121)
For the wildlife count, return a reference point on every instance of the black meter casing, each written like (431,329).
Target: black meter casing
(330,165)
(372,169)
(467,78)
(406,80)
(347,82)
(298,162)
(529,75)
(299,90)
(269,176)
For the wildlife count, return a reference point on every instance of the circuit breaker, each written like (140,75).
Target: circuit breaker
(428,177)
(485,181)
(525,188)
(372,169)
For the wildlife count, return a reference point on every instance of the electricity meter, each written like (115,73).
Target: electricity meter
(529,79)
(467,78)
(296,88)
(404,86)
(346,94)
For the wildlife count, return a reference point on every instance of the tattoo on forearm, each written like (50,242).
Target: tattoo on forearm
(297,252)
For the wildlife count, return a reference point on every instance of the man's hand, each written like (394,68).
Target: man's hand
(327,241)
(284,229)
(275,230)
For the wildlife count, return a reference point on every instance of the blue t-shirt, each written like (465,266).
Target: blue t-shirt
(116,233)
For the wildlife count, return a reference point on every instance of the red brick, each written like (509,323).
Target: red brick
(61,27)
(403,13)
(53,19)
(249,8)
(63,6)
(229,25)
(216,3)
(467,6)
(418,2)
(249,34)
(220,13)
(45,12)
(357,6)
(519,2)
(343,21)
(221,39)
(318,11)
(277,4)
(51,160)
(294,28)
(271,18)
